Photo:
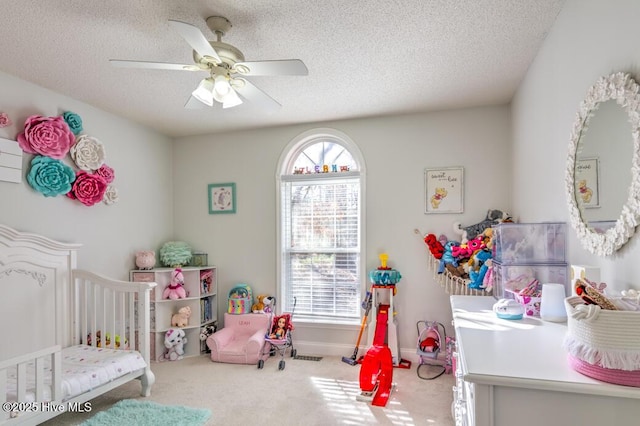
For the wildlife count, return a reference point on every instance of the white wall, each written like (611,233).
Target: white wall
(396,151)
(589,39)
(143,217)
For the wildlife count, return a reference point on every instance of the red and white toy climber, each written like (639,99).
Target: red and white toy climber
(376,370)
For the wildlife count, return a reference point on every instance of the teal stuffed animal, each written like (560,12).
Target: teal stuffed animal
(479,270)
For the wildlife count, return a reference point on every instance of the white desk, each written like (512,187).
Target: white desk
(516,373)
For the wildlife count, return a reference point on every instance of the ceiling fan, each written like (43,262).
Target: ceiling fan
(225,65)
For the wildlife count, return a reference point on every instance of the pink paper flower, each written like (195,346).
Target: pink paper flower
(5,120)
(106,172)
(88,188)
(48,136)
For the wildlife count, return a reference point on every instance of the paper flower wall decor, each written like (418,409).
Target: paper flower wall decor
(74,122)
(106,172)
(51,139)
(48,136)
(50,177)
(175,254)
(110,195)
(87,153)
(88,188)
(5,120)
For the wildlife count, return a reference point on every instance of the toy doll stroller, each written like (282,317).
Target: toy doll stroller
(431,338)
(279,338)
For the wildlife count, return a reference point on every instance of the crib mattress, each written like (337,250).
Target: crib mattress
(84,368)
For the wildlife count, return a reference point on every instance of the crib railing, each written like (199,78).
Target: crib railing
(111,313)
(19,401)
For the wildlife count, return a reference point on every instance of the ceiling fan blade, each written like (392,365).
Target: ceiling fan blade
(278,67)
(196,39)
(153,65)
(254,95)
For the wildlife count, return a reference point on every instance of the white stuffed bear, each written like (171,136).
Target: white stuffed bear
(174,341)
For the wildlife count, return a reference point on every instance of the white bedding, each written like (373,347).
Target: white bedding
(83,368)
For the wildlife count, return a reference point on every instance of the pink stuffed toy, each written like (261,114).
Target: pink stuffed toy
(175,289)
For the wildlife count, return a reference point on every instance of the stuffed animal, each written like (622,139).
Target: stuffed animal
(175,289)
(478,269)
(435,247)
(493,217)
(487,281)
(174,341)
(205,332)
(258,307)
(146,259)
(181,319)
(447,256)
(461,251)
(269,303)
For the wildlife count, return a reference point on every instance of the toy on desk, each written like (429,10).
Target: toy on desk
(508,309)
(175,289)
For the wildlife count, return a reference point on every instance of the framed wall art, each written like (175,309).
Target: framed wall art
(587,185)
(444,190)
(222,198)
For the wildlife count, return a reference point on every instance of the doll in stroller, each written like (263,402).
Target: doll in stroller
(278,339)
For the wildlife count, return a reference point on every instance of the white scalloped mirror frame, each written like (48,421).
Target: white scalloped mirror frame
(622,88)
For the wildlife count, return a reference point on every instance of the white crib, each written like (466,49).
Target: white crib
(51,359)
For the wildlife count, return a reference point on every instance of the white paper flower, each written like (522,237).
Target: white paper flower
(110,195)
(88,153)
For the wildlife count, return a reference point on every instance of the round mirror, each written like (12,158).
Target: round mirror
(602,174)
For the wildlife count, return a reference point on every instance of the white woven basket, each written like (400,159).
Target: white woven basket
(609,339)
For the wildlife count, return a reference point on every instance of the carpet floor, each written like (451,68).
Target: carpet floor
(313,393)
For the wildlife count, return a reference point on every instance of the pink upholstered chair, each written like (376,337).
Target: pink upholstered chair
(241,341)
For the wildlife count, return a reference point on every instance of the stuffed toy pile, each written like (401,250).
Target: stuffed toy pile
(470,257)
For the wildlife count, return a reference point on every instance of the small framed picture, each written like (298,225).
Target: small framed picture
(444,190)
(587,185)
(222,198)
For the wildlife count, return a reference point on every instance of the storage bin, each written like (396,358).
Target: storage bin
(509,279)
(528,243)
(603,344)
(531,303)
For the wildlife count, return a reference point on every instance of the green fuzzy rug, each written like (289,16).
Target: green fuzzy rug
(143,413)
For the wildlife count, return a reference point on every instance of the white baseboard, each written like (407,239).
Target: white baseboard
(322,349)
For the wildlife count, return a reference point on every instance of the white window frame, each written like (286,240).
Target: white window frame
(285,164)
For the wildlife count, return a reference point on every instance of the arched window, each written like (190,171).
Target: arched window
(320,181)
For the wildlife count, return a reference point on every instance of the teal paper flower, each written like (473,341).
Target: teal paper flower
(50,177)
(74,122)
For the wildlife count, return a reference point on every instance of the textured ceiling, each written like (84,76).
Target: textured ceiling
(365,57)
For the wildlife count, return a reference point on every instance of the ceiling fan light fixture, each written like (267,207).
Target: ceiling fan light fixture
(204,91)
(231,100)
(221,88)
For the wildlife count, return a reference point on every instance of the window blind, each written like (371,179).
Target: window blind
(321,247)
